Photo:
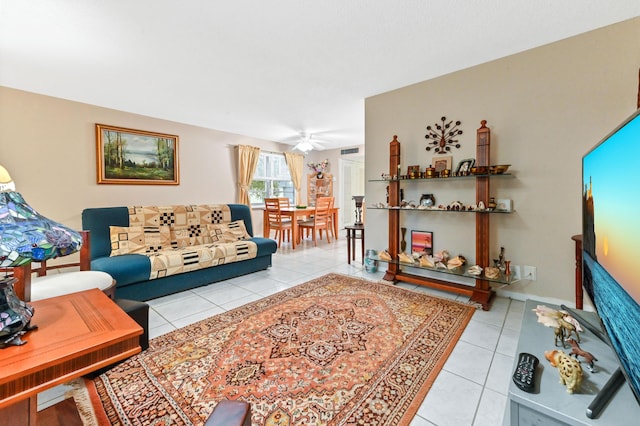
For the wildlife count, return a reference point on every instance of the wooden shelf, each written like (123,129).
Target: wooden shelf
(417,209)
(319,187)
(460,271)
(481,292)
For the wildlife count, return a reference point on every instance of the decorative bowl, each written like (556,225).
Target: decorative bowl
(301,207)
(499,168)
(480,170)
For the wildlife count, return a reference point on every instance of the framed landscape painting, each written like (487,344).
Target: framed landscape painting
(422,242)
(136,157)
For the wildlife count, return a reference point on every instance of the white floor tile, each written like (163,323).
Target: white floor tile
(500,373)
(470,361)
(490,409)
(177,308)
(452,401)
(160,330)
(481,334)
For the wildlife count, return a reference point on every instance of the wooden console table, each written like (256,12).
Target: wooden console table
(77,333)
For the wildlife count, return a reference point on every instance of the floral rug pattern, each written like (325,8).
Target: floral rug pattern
(334,351)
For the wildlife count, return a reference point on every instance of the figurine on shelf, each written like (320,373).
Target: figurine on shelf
(384,255)
(499,262)
(475,270)
(491,273)
(403,231)
(564,325)
(426,261)
(576,351)
(456,262)
(569,369)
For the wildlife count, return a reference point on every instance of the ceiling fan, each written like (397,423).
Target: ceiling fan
(307,143)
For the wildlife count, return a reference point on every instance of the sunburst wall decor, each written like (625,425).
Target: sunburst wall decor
(442,137)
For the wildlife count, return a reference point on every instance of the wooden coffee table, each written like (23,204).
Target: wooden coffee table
(77,333)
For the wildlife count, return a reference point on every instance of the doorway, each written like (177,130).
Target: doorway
(351,183)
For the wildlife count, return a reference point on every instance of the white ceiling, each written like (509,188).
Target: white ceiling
(269,69)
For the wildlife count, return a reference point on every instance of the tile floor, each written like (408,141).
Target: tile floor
(470,390)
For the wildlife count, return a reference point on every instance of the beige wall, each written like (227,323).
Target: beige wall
(546,107)
(48,146)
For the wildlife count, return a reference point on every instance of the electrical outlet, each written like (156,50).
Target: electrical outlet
(516,271)
(530,273)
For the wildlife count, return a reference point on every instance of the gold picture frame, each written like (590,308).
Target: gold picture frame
(442,163)
(415,170)
(136,157)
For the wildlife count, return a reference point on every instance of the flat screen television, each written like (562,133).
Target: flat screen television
(611,241)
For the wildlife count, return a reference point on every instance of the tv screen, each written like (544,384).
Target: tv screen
(611,241)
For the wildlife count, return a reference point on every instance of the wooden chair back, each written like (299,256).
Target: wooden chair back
(321,219)
(323,211)
(285,203)
(276,221)
(273,210)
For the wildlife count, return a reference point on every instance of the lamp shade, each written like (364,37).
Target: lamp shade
(26,235)
(6,183)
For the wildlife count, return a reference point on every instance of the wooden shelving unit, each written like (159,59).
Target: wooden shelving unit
(481,292)
(319,187)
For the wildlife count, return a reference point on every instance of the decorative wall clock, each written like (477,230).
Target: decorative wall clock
(442,137)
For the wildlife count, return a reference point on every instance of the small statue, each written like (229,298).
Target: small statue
(564,324)
(499,262)
(563,332)
(568,367)
(576,351)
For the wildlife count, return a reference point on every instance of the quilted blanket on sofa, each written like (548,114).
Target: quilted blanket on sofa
(185,259)
(183,238)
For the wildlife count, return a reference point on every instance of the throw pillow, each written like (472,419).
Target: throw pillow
(228,232)
(139,239)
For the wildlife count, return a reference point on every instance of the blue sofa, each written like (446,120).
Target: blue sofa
(132,271)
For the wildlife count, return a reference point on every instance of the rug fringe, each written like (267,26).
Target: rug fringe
(81,396)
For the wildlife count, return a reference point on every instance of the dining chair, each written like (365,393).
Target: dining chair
(321,219)
(285,203)
(277,221)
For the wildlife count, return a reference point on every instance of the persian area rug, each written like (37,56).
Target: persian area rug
(333,351)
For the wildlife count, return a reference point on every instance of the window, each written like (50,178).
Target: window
(271,179)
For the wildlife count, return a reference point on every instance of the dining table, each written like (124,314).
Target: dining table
(296,213)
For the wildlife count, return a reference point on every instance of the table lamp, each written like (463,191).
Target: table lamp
(25,236)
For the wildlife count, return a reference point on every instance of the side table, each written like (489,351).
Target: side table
(352,235)
(550,404)
(77,333)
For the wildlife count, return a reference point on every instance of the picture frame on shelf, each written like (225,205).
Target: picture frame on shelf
(136,157)
(442,163)
(464,166)
(415,170)
(422,242)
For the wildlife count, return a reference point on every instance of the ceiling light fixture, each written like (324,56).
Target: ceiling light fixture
(304,146)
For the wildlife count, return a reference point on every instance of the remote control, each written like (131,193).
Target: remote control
(524,376)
